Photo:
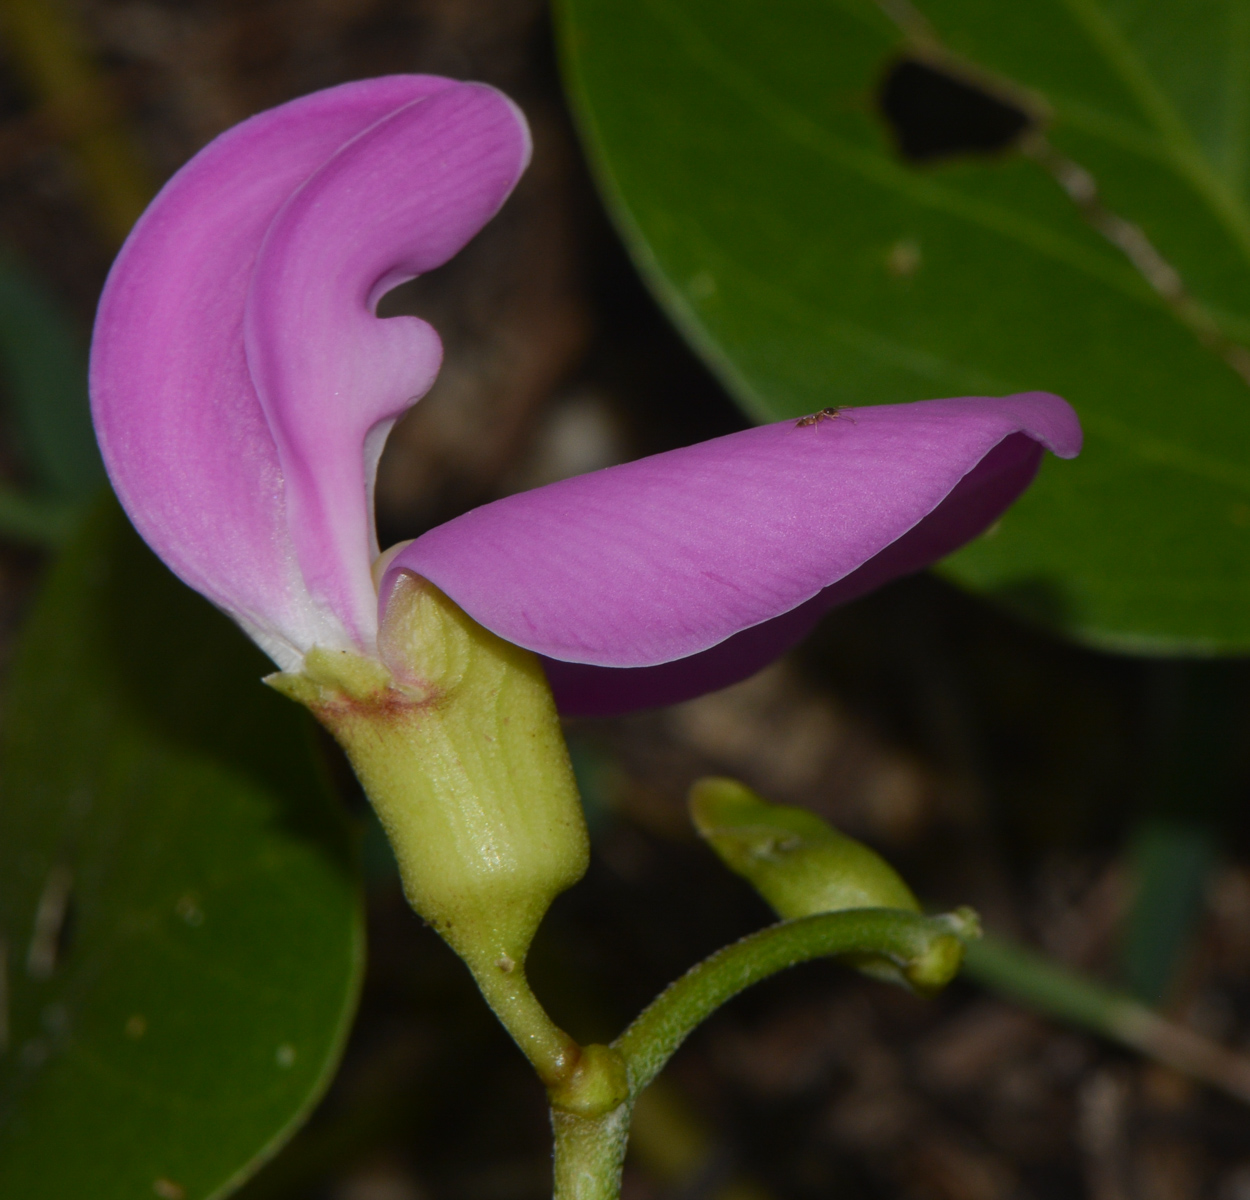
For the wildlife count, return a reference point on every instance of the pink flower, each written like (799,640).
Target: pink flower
(242,390)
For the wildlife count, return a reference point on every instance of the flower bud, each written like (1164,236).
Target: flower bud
(455,740)
(797,862)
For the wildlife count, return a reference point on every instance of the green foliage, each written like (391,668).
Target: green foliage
(178,899)
(45,369)
(743,153)
(43,364)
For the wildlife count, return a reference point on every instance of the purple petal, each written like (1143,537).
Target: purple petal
(213,473)
(181,429)
(731,549)
(974,504)
(399,200)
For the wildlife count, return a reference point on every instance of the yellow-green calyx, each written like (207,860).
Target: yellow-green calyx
(803,866)
(455,739)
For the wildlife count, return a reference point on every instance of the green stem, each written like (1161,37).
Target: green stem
(590,1142)
(551,1051)
(926,949)
(1036,981)
(589,1153)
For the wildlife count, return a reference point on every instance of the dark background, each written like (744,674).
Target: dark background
(992,764)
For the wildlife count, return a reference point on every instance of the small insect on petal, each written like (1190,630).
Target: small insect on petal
(825,414)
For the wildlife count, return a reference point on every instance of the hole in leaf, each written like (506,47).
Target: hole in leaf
(934,114)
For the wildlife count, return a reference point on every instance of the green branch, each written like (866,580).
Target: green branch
(1034,980)
(927,950)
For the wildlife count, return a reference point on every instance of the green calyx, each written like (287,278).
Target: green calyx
(454,736)
(802,866)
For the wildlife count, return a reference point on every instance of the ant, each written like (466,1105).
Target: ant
(825,414)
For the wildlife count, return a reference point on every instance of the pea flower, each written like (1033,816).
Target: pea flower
(243,388)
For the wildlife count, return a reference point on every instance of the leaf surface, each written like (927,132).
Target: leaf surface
(744,154)
(178,897)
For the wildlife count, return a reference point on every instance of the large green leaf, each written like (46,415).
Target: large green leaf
(178,901)
(741,149)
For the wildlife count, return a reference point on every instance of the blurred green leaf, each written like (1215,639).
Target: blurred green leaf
(43,520)
(178,893)
(44,366)
(742,151)
(1193,721)
(1171,863)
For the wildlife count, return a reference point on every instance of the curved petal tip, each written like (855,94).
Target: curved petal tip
(1051,421)
(241,386)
